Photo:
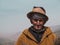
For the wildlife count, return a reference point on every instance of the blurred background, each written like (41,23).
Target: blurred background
(13,18)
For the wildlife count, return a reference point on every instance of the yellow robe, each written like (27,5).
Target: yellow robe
(26,38)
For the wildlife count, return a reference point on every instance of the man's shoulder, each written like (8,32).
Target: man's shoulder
(47,27)
(51,33)
(25,31)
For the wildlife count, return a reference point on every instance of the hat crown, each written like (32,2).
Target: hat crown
(39,10)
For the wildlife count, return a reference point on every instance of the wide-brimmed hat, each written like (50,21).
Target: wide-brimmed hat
(38,12)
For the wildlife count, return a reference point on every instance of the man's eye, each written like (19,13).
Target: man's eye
(40,20)
(35,20)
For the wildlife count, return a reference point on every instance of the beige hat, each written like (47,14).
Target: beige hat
(38,11)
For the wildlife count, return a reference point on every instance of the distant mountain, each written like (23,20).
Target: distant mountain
(5,41)
(14,37)
(56,30)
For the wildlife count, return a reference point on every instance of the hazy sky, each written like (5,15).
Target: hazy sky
(13,14)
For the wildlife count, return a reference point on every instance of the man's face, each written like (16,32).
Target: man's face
(37,23)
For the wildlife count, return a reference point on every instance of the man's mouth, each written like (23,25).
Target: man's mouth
(39,26)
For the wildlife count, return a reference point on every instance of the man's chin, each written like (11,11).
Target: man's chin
(39,26)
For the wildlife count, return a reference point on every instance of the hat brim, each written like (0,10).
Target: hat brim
(31,14)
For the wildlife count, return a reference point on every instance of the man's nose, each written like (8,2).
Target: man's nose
(38,22)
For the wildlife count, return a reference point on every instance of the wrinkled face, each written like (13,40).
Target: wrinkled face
(37,23)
